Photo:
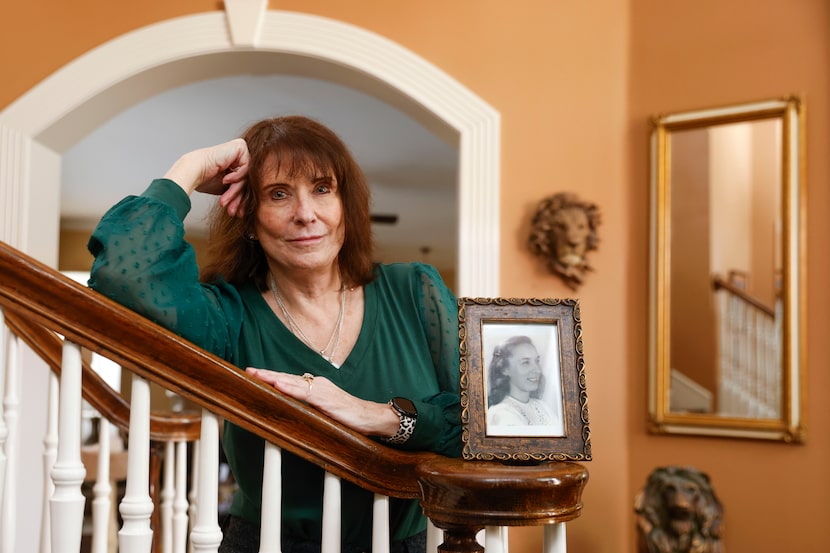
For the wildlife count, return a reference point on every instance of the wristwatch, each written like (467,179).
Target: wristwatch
(408,414)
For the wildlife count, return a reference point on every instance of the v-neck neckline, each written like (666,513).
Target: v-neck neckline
(274,323)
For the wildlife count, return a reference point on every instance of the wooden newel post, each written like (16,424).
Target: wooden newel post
(460,540)
(461,501)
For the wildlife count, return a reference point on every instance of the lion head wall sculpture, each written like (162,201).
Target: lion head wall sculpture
(678,512)
(564,229)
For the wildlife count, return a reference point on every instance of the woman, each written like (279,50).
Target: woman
(515,385)
(292,295)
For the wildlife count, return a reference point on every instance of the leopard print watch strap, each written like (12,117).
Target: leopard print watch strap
(408,415)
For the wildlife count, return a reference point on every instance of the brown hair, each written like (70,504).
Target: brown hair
(301,146)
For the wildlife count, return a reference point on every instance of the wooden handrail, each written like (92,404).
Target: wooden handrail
(43,296)
(461,497)
(719,283)
(96,391)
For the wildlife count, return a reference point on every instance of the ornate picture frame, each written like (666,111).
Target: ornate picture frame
(523,395)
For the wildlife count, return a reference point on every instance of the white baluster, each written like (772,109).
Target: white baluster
(752,363)
(102,492)
(135,535)
(495,539)
(4,334)
(381,537)
(194,491)
(331,514)
(6,543)
(271,526)
(180,500)
(767,369)
(554,538)
(67,502)
(773,368)
(779,356)
(11,404)
(50,453)
(435,536)
(206,535)
(167,493)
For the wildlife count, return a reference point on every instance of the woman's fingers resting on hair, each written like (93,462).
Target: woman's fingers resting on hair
(231,199)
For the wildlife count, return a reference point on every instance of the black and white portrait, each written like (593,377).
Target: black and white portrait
(523,394)
(523,384)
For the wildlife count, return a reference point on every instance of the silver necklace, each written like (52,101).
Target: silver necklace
(295,328)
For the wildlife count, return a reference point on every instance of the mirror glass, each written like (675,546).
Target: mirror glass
(727,231)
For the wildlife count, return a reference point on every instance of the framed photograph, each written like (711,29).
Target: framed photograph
(523,394)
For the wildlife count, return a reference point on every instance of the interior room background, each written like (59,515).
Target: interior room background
(575,84)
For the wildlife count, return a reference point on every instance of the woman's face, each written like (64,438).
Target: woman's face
(299,221)
(524,368)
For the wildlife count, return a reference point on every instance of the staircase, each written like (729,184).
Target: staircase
(749,355)
(170,501)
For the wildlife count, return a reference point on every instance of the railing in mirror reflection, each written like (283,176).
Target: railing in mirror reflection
(748,354)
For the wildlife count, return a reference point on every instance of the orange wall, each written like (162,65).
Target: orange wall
(692,321)
(688,55)
(575,83)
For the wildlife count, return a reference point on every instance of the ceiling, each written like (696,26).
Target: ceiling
(411,171)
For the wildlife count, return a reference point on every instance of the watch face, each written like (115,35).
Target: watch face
(405,406)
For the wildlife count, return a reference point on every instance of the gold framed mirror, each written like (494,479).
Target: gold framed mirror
(727,275)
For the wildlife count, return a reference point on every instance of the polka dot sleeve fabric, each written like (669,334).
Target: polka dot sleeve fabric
(439,309)
(143,262)
(440,321)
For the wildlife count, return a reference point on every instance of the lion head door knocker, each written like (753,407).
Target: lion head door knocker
(678,512)
(564,229)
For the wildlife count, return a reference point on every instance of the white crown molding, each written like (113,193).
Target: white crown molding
(64,107)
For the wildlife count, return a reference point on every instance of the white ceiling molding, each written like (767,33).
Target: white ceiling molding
(63,108)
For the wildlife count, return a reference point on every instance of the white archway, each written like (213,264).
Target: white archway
(36,129)
(39,127)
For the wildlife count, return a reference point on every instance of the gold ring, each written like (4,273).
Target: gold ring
(309,378)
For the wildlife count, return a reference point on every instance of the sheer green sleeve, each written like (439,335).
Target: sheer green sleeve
(143,262)
(440,415)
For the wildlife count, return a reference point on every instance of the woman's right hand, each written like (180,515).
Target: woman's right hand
(366,417)
(221,170)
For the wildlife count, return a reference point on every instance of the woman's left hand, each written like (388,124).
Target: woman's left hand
(366,417)
(220,170)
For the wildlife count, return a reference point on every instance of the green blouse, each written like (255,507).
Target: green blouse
(408,346)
